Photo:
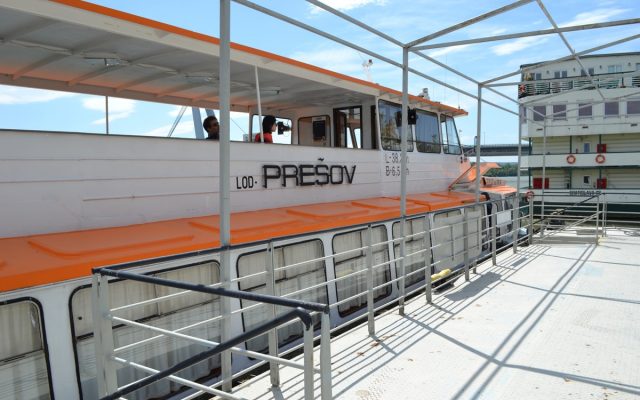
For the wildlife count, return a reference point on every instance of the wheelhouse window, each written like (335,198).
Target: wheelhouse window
(427,132)
(23,360)
(611,108)
(450,135)
(314,131)
(348,127)
(282,136)
(585,110)
(390,127)
(353,264)
(305,274)
(172,313)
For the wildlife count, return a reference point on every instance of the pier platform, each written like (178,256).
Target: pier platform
(558,320)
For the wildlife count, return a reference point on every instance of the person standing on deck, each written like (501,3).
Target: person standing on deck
(211,125)
(268,126)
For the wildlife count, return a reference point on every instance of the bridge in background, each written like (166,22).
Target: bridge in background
(495,150)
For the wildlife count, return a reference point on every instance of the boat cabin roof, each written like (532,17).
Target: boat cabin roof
(77,46)
(43,259)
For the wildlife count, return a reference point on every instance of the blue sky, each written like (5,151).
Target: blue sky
(28,109)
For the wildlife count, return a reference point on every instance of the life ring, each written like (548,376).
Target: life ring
(571,158)
(600,158)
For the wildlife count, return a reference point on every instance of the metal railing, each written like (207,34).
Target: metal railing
(446,251)
(449,247)
(602,81)
(614,208)
(579,217)
(106,357)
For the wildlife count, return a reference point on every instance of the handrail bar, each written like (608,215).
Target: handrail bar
(237,294)
(243,337)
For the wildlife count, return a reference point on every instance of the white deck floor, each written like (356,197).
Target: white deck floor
(555,321)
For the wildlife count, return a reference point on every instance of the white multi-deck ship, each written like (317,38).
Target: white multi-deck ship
(583,125)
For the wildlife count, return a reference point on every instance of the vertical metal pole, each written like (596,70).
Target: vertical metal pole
(325,358)
(370,310)
(597,218)
(103,336)
(478,224)
(308,363)
(225,168)
(465,233)
(478,141)
(494,231)
(604,215)
(544,173)
(427,259)
(273,333)
(259,108)
(403,172)
(516,226)
(453,247)
(401,281)
(106,113)
(531,220)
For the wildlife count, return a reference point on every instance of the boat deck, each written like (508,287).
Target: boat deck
(558,320)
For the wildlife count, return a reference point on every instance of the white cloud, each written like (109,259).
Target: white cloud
(118,108)
(589,17)
(18,95)
(595,16)
(447,50)
(183,128)
(346,5)
(341,60)
(517,45)
(175,111)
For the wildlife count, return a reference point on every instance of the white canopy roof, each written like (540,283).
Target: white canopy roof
(76,46)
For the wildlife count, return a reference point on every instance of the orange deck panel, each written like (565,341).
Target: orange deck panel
(43,259)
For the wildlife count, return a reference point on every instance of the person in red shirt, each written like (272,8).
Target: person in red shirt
(268,126)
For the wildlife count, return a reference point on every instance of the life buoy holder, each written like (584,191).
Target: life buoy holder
(571,158)
(600,158)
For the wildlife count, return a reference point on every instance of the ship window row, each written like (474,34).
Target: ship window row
(353,127)
(23,357)
(584,110)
